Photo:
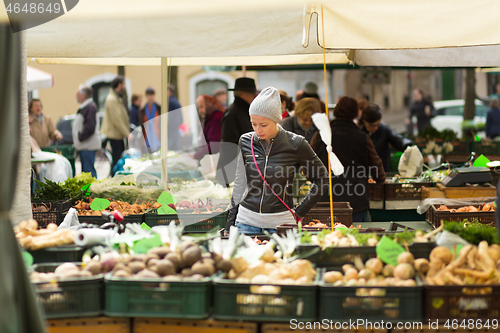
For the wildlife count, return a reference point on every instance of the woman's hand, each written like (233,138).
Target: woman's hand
(58,135)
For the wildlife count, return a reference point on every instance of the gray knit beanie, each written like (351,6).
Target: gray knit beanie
(267,104)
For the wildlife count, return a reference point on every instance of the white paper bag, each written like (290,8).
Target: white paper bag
(411,162)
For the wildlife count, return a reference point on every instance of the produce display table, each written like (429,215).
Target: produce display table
(148,325)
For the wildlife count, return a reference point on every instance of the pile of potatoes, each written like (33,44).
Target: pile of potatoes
(188,262)
(375,274)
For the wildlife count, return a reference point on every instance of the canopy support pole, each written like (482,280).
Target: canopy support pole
(21,207)
(165,81)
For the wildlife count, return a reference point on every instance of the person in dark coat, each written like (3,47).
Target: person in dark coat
(301,123)
(422,108)
(211,112)
(150,121)
(235,122)
(381,134)
(356,152)
(175,119)
(492,127)
(134,109)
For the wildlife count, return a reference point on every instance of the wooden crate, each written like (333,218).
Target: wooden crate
(156,325)
(93,325)
(441,191)
(289,328)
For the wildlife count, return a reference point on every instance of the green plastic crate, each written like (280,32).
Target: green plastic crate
(192,222)
(391,304)
(335,257)
(73,297)
(242,301)
(65,253)
(127,297)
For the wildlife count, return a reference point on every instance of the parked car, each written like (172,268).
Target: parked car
(450,114)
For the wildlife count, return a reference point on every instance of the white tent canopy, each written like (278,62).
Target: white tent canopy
(196,30)
(37,79)
(396,24)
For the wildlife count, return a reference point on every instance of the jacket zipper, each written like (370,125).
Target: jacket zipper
(265,167)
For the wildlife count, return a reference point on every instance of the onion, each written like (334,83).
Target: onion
(375,265)
(404,271)
(406,257)
(351,274)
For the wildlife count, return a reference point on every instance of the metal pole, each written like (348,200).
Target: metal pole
(165,80)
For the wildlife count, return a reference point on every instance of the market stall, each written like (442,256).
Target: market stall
(261,283)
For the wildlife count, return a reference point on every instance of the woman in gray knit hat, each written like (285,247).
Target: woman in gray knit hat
(262,197)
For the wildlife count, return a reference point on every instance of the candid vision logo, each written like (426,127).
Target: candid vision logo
(28,14)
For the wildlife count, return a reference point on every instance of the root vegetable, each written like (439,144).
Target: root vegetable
(165,267)
(406,257)
(366,274)
(351,274)
(476,274)
(122,273)
(448,277)
(494,252)
(136,266)
(190,256)
(471,258)
(175,258)
(434,267)
(421,265)
(404,271)
(146,273)
(66,268)
(462,258)
(160,251)
(442,253)
(346,267)
(375,265)
(388,270)
(332,277)
(224,265)
(201,268)
(94,267)
(484,256)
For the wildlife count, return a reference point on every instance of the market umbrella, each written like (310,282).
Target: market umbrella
(20,312)
(38,79)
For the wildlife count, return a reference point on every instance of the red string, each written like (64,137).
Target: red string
(261,176)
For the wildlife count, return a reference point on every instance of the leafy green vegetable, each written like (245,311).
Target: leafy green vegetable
(473,231)
(71,188)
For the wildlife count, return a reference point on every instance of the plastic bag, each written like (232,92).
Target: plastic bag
(427,203)
(70,220)
(57,171)
(208,166)
(202,190)
(128,188)
(411,162)
(449,240)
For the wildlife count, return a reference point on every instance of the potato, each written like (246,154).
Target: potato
(224,265)
(165,267)
(175,258)
(93,267)
(191,255)
(136,266)
(66,268)
(146,273)
(184,245)
(121,273)
(150,256)
(160,251)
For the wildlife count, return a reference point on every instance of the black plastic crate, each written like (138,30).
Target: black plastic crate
(60,254)
(193,222)
(462,302)
(158,298)
(335,257)
(435,216)
(55,214)
(73,297)
(405,191)
(280,303)
(98,220)
(342,213)
(376,191)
